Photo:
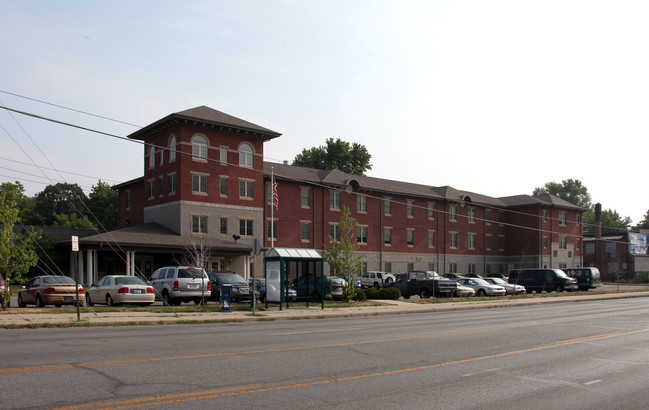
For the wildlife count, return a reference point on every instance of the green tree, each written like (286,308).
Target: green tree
(73,221)
(17,254)
(103,203)
(342,254)
(60,198)
(612,223)
(337,154)
(644,224)
(570,190)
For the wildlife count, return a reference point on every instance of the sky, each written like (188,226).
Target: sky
(493,97)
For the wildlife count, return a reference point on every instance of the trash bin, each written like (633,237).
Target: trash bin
(226,297)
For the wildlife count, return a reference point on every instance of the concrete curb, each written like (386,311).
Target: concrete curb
(21,319)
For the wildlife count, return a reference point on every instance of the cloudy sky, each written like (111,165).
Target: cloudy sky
(494,97)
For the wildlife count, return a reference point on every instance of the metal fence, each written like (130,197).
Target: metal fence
(629,277)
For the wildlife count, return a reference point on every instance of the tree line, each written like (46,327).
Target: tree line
(66,205)
(573,191)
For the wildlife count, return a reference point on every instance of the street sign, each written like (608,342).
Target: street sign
(75,244)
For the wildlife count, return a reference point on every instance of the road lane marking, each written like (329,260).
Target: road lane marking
(71,366)
(208,395)
(166,397)
(306,332)
(592,382)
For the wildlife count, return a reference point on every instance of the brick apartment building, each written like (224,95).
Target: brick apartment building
(205,180)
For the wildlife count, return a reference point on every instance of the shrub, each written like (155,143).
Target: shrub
(359,295)
(383,293)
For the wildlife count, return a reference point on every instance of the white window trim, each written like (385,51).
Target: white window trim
(252,193)
(200,174)
(207,148)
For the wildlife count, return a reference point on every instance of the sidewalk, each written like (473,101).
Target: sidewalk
(27,317)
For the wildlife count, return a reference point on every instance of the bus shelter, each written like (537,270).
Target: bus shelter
(297,267)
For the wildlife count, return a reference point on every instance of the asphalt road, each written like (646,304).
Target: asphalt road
(590,355)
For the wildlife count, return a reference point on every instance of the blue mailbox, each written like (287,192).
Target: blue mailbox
(226,297)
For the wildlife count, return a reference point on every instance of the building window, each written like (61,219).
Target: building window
(128,199)
(172,183)
(387,267)
(452,213)
(487,240)
(334,233)
(361,234)
(387,236)
(334,200)
(223,186)
(563,242)
(223,226)
(472,240)
(472,268)
(452,239)
(361,203)
(545,242)
(306,231)
(411,266)
(161,184)
(271,229)
(562,218)
(578,244)
(151,156)
(245,189)
(245,155)
(199,224)
(223,155)
(387,206)
(410,237)
(501,243)
(305,194)
(545,215)
(431,210)
(501,217)
(487,216)
(471,212)
(431,239)
(199,184)
(172,148)
(199,148)
(410,208)
(452,268)
(245,227)
(151,188)
(577,219)
(363,267)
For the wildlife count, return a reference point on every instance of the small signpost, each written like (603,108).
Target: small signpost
(75,249)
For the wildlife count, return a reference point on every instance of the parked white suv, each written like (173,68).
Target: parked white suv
(177,284)
(375,279)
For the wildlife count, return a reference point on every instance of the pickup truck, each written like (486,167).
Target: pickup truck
(423,283)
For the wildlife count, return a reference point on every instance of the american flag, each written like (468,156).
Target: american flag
(275,196)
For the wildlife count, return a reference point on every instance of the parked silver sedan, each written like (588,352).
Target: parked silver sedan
(510,288)
(482,287)
(120,289)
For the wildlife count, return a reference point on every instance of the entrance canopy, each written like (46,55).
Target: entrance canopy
(301,268)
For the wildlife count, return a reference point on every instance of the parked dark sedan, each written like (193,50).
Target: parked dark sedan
(240,287)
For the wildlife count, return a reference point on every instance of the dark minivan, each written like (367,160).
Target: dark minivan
(587,278)
(543,280)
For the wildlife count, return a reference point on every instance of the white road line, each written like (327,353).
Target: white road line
(592,382)
(314,331)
